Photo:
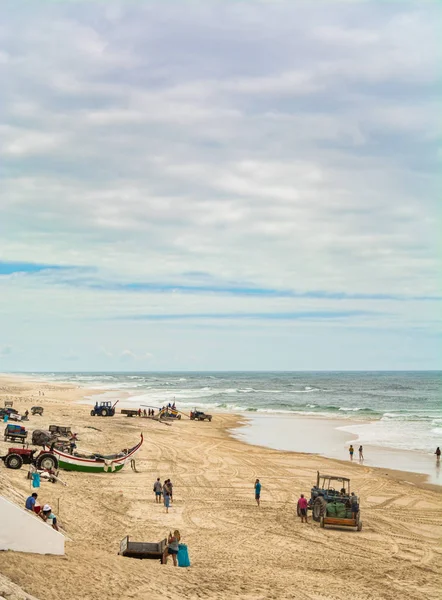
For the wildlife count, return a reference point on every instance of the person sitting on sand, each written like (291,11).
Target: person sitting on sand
(302,505)
(158,489)
(30,502)
(48,516)
(173,546)
(258,492)
(351,451)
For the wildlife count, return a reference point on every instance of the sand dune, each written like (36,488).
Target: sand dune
(236,549)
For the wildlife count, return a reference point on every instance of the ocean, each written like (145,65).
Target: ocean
(396,410)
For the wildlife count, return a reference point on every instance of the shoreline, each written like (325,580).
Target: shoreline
(245,420)
(329,438)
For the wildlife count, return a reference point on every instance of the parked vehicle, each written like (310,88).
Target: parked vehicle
(15,433)
(331,506)
(104,409)
(37,410)
(198,415)
(17,457)
(129,412)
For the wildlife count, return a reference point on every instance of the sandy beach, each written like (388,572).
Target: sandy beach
(237,550)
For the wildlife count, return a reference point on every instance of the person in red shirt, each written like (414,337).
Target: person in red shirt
(302,505)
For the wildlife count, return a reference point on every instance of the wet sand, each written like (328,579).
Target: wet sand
(331,438)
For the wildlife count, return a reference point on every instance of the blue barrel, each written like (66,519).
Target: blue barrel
(183,556)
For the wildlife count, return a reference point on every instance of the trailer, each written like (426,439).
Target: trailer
(15,433)
(155,551)
(129,412)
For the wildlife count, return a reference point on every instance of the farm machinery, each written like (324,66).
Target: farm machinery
(104,409)
(332,506)
(17,457)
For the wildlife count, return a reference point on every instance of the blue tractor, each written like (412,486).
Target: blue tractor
(328,489)
(103,409)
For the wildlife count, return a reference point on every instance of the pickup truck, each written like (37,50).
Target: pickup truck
(198,415)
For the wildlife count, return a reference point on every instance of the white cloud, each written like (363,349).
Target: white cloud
(277,145)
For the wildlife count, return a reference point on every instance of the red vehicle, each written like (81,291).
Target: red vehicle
(17,457)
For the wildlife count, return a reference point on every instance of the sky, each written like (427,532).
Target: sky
(220,185)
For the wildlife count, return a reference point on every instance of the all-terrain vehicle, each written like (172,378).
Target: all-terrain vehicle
(17,457)
(331,505)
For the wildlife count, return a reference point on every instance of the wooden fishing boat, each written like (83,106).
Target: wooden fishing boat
(96,463)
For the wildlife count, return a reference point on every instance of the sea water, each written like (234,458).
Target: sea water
(396,410)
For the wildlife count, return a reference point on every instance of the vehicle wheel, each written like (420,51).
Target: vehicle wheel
(319,508)
(104,412)
(92,413)
(321,523)
(360,526)
(210,419)
(179,417)
(46,461)
(14,461)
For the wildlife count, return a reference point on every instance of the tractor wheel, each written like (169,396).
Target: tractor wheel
(359,525)
(104,412)
(46,461)
(92,413)
(319,508)
(321,523)
(14,461)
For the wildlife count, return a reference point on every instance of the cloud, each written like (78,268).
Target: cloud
(255,159)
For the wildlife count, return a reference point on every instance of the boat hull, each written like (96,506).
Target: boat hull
(70,462)
(92,468)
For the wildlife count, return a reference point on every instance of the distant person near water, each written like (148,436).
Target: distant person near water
(303,505)
(158,490)
(258,492)
(351,451)
(437,453)
(361,454)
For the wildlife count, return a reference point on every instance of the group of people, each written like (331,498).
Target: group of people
(44,513)
(143,413)
(163,492)
(351,451)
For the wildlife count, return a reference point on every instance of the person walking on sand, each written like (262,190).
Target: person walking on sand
(361,454)
(166,495)
(173,546)
(302,505)
(170,486)
(437,453)
(354,505)
(158,490)
(351,451)
(258,492)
